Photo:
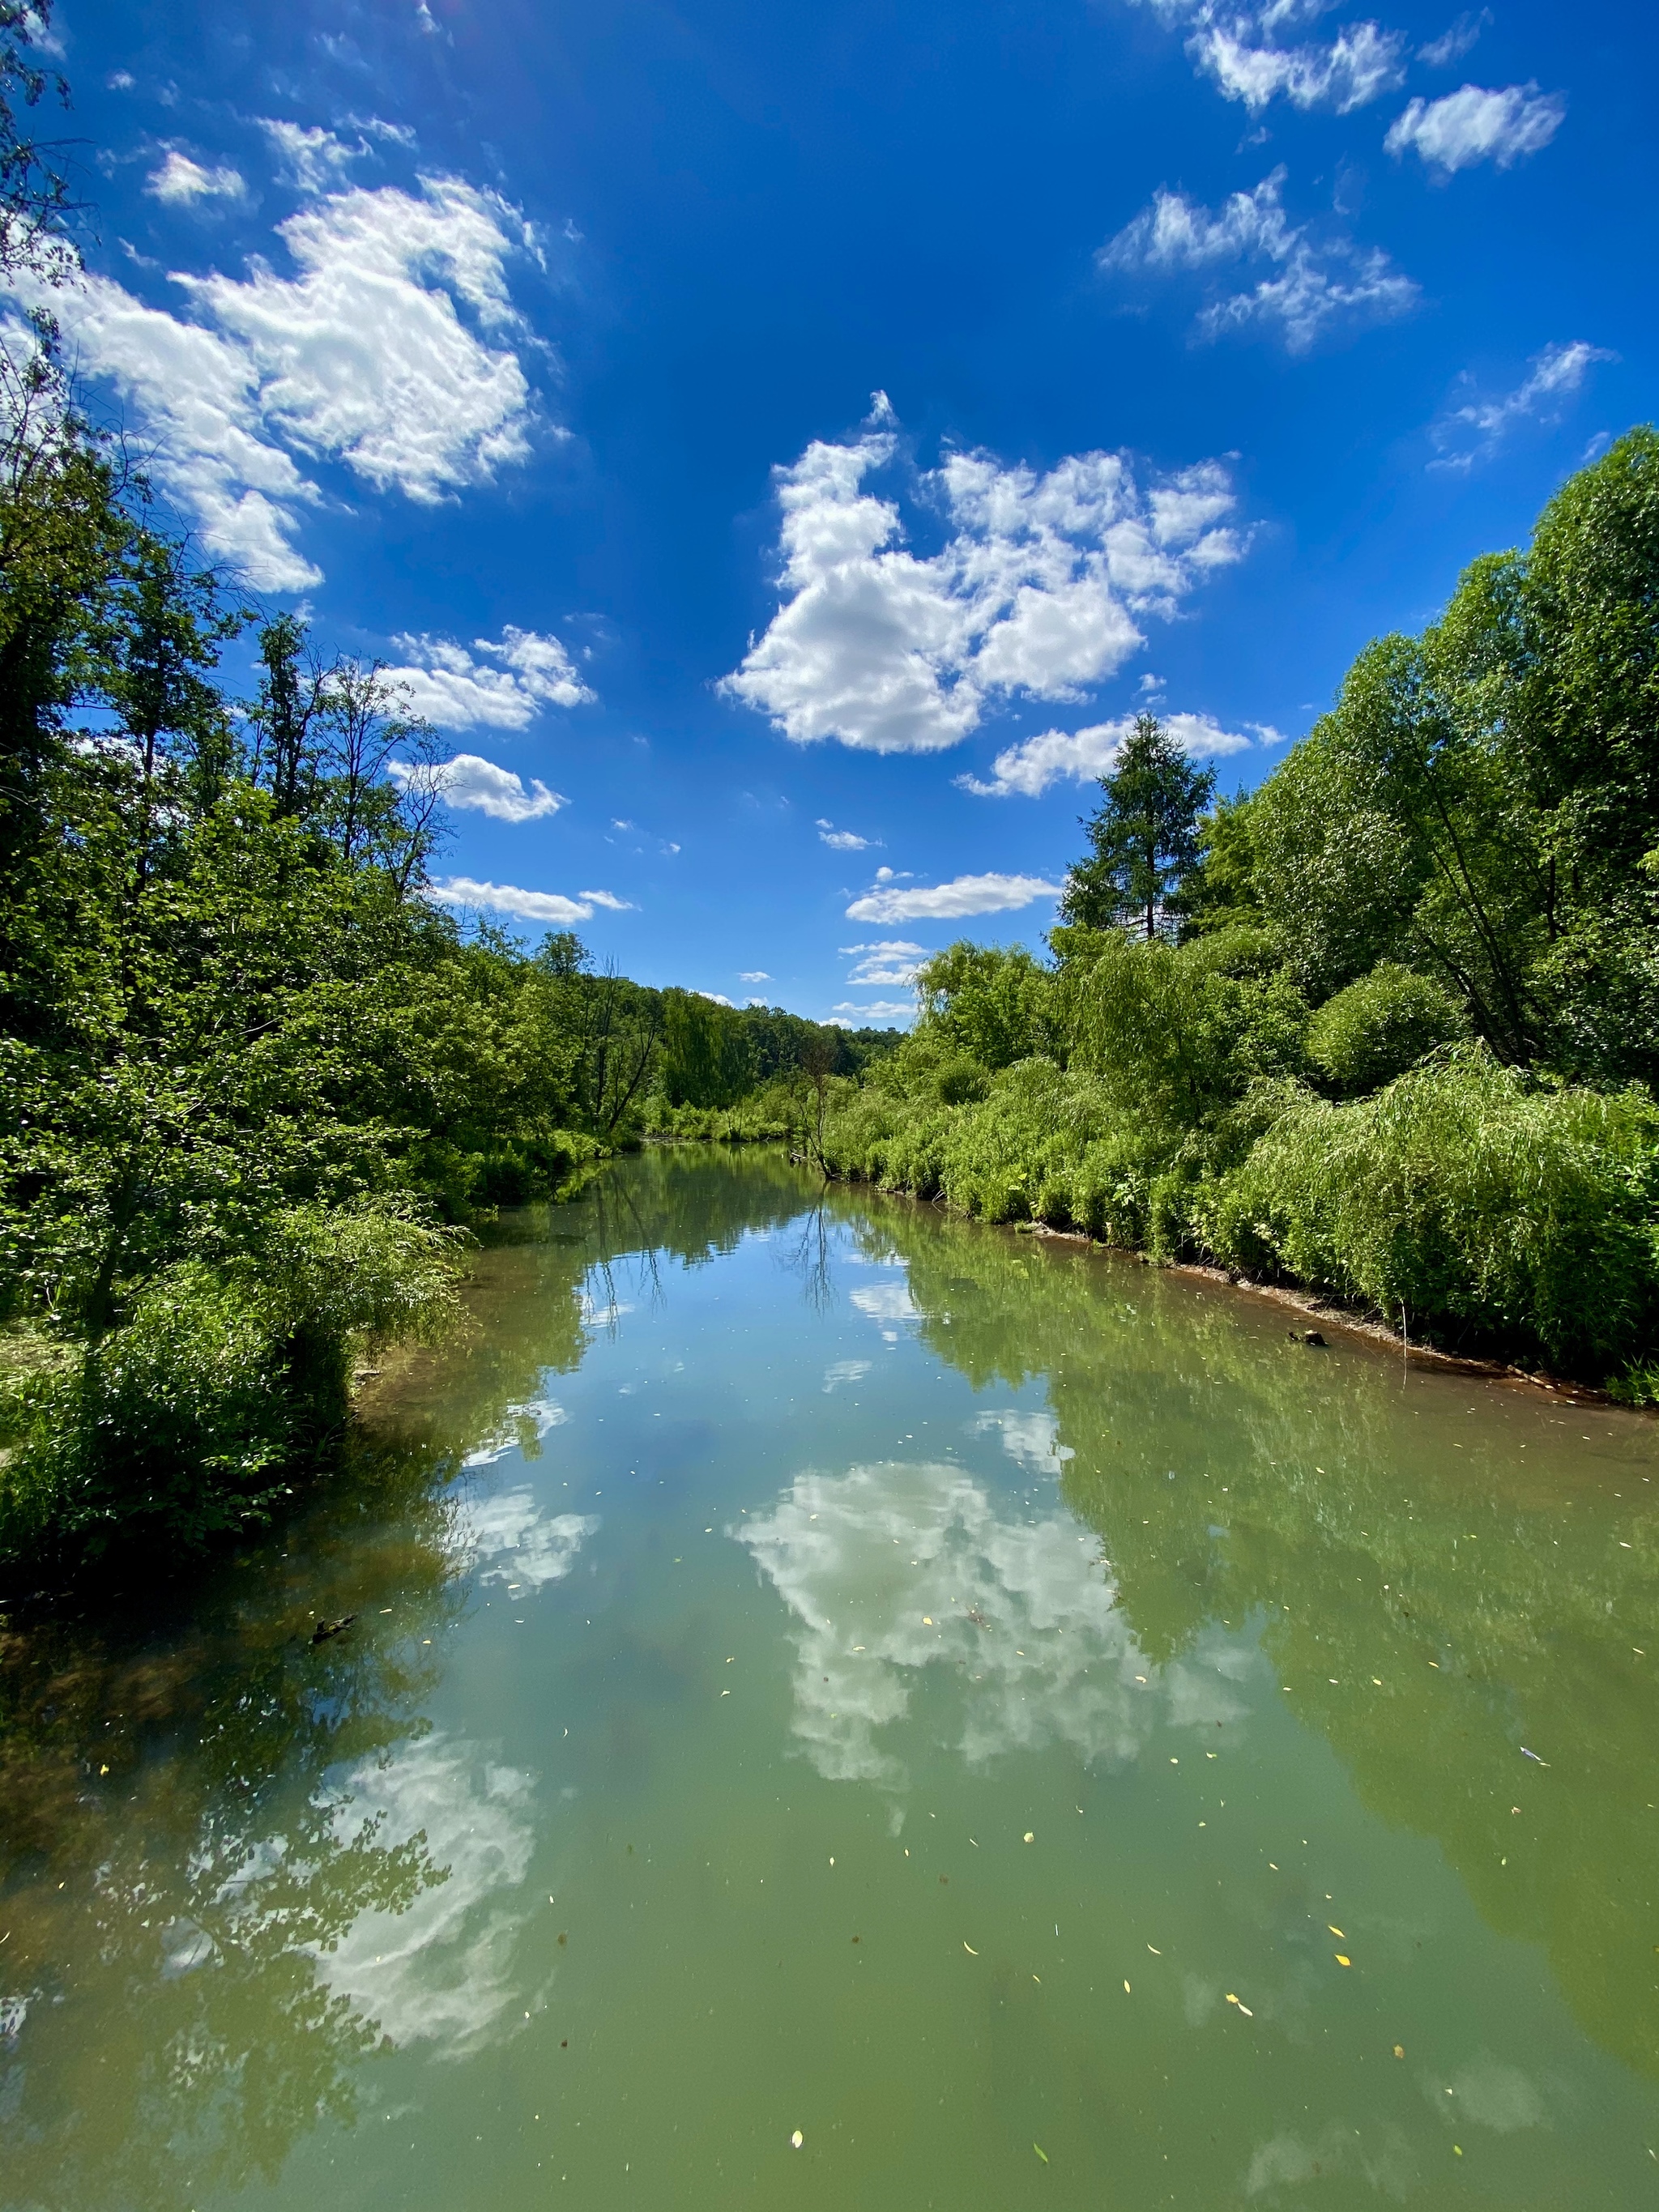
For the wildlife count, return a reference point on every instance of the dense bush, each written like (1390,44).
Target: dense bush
(1483,1203)
(187,1420)
(1380,1026)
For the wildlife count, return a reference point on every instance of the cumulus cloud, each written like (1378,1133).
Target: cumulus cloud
(951,902)
(878,1010)
(843,840)
(1474,431)
(1471,125)
(753,976)
(470,782)
(890,960)
(502,685)
(1359,65)
(527,906)
(1310,283)
(361,357)
(1040,588)
(179,182)
(890,1570)
(1034,763)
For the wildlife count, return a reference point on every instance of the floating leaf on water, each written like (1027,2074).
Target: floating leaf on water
(1127,1991)
(1399,2050)
(796,2140)
(1041,2153)
(1030,1835)
(969,1949)
(1340,1960)
(1337,1932)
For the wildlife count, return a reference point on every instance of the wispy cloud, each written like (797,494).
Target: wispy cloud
(879,1010)
(1314,282)
(1030,767)
(952,901)
(1474,431)
(471,783)
(361,356)
(309,158)
(526,906)
(1454,41)
(1471,125)
(502,685)
(177,181)
(1242,51)
(1040,588)
(1360,64)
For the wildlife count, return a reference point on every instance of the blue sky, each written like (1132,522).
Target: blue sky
(752,430)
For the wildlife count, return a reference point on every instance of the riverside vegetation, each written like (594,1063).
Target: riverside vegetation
(1389,1027)
(254,1083)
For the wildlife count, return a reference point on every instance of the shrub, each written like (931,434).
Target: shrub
(193,1418)
(1485,1206)
(1381,1026)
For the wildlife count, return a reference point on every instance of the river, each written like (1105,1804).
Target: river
(845,1708)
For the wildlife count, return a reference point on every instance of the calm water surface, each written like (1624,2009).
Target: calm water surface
(1009,1715)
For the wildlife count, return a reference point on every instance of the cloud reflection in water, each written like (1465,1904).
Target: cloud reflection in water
(894,1567)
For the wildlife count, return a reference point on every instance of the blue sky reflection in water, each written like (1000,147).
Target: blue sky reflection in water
(782,446)
(947,1693)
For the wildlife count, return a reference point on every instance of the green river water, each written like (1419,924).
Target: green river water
(1003,1716)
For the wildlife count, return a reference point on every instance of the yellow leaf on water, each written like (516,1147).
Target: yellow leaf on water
(1340,1960)
(969,1949)
(1337,1932)
(796,2140)
(1127,1991)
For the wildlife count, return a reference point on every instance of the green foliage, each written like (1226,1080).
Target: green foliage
(186,1421)
(1497,1210)
(1443,905)
(1144,840)
(1380,1026)
(989,1003)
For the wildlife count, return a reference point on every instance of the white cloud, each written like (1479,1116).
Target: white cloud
(362,357)
(1474,432)
(1039,588)
(718,998)
(500,686)
(312,160)
(440,1970)
(1454,41)
(1034,763)
(181,182)
(753,976)
(1360,64)
(891,1569)
(879,1010)
(1471,125)
(844,1370)
(470,782)
(891,961)
(1313,281)
(1032,1438)
(520,1543)
(963,896)
(609,899)
(843,840)
(527,906)
(886,1301)
(522,1429)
